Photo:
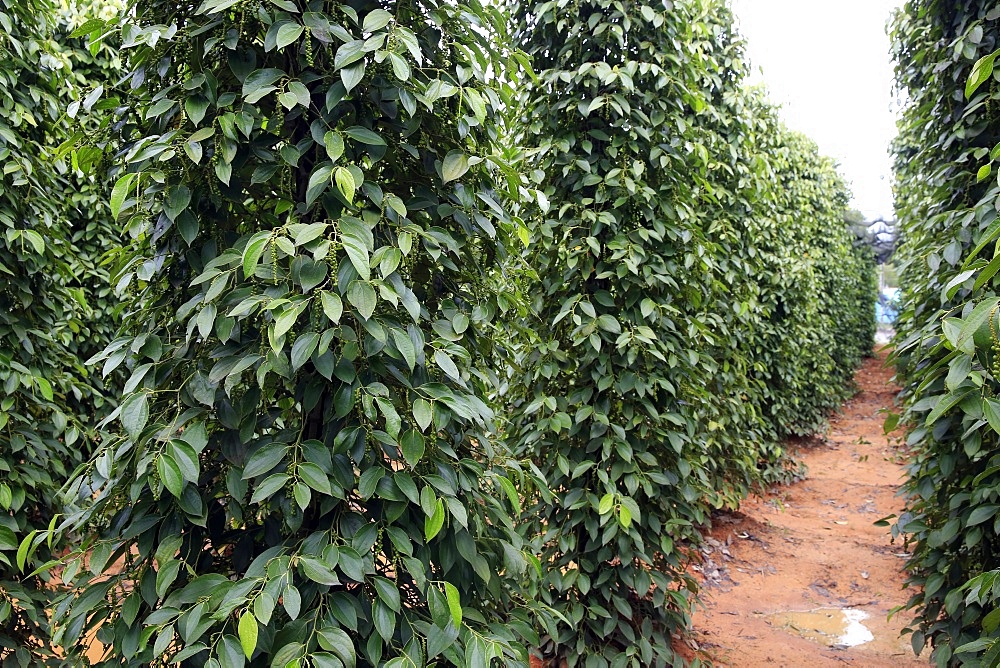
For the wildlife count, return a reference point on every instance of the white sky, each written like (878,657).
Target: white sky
(827,63)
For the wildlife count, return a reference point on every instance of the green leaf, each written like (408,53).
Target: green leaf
(337,641)
(991,234)
(624,516)
(166,576)
(268,487)
(25,549)
(318,572)
(446,364)
(439,639)
(120,193)
(344,180)
(333,306)
(980,514)
(170,474)
(991,409)
(35,239)
(981,72)
(434,523)
(89,26)
(388,593)
(303,349)
(511,492)
(405,347)
(455,165)
(364,135)
(264,459)
(196,106)
(248,633)
(318,182)
(253,251)
(259,83)
(606,504)
(454,604)
(362,296)
(288,33)
(945,403)
(315,477)
(376,19)
(413,447)
(352,76)
(291,601)
(135,413)
(334,144)
(186,459)
(423,413)
(311,274)
(399,67)
(44,387)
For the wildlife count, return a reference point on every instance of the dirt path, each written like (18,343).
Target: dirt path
(812,545)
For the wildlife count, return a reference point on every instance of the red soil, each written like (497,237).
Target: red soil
(813,545)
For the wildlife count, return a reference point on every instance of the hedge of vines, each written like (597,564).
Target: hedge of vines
(54,309)
(444,328)
(947,347)
(685,248)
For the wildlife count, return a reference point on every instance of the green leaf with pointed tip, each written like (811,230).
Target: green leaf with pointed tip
(991,409)
(413,447)
(253,251)
(333,306)
(423,413)
(170,474)
(362,296)
(248,633)
(344,181)
(454,603)
(303,349)
(435,522)
(455,165)
(135,413)
(287,34)
(120,193)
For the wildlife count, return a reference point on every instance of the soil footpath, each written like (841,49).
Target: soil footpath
(812,545)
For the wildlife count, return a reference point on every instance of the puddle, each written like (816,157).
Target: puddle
(834,627)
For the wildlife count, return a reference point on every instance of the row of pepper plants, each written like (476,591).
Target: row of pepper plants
(56,304)
(947,347)
(442,328)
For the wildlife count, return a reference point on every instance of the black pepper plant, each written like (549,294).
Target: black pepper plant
(49,321)
(616,250)
(947,346)
(304,473)
(665,239)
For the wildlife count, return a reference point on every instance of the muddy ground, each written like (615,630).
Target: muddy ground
(813,545)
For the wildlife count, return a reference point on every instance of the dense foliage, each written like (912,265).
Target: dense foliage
(947,347)
(355,339)
(53,311)
(304,474)
(619,274)
(685,247)
(820,325)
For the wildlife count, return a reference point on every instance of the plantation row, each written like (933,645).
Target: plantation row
(406,347)
(947,346)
